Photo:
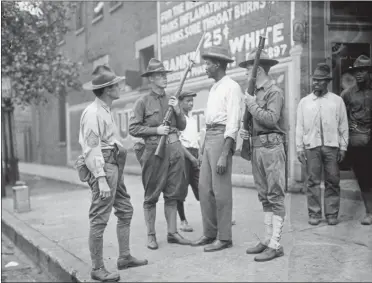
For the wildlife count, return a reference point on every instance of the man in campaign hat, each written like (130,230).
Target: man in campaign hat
(358,101)
(321,141)
(190,139)
(222,117)
(266,106)
(101,165)
(165,175)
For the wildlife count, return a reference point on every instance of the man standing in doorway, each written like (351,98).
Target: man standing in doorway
(102,166)
(358,101)
(266,106)
(166,175)
(189,138)
(222,117)
(321,141)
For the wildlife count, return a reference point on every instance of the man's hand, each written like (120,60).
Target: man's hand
(244,134)
(222,164)
(173,101)
(200,158)
(248,99)
(104,189)
(341,155)
(301,156)
(194,162)
(162,130)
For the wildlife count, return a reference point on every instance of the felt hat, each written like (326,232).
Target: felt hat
(264,59)
(155,66)
(360,63)
(103,76)
(184,94)
(322,72)
(217,52)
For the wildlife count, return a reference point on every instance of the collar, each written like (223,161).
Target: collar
(266,85)
(314,97)
(102,104)
(221,80)
(157,94)
(358,89)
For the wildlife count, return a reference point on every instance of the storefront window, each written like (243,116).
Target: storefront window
(351,11)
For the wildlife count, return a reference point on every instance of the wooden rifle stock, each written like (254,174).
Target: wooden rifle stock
(160,150)
(246,151)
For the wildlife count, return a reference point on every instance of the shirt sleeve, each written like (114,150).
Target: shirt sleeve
(180,120)
(300,128)
(136,122)
(91,143)
(233,106)
(268,117)
(343,126)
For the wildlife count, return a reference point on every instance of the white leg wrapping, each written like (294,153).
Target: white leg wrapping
(268,227)
(277,232)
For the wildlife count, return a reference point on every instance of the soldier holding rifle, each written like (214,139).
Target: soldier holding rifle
(222,118)
(160,175)
(266,109)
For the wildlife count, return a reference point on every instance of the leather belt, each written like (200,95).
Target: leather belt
(265,140)
(171,138)
(215,126)
(354,127)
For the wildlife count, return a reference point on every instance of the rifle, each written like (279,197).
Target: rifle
(160,150)
(247,146)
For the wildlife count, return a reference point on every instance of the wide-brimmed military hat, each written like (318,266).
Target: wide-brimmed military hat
(322,72)
(363,62)
(186,93)
(219,53)
(264,59)
(155,66)
(103,76)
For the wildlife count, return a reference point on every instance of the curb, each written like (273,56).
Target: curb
(49,256)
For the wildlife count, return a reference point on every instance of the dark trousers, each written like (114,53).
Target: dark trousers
(192,179)
(323,157)
(215,190)
(361,160)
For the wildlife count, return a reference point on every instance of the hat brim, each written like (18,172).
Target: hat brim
(353,69)
(218,57)
(266,62)
(187,95)
(146,74)
(322,78)
(90,86)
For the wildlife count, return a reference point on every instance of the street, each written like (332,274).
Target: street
(321,253)
(16,267)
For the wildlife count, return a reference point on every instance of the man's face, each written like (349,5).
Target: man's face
(210,68)
(113,91)
(361,75)
(187,104)
(159,79)
(320,86)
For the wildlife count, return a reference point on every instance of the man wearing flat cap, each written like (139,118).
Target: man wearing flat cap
(321,140)
(101,165)
(222,117)
(266,107)
(358,101)
(189,138)
(166,175)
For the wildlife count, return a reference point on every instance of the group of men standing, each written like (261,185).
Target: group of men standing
(103,159)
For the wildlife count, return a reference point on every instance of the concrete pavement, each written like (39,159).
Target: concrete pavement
(55,233)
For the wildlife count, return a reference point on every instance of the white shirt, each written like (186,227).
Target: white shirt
(224,106)
(331,110)
(189,137)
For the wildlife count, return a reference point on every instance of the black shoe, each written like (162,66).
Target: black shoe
(269,254)
(103,275)
(259,248)
(203,241)
(177,239)
(218,245)
(314,221)
(130,261)
(332,221)
(151,242)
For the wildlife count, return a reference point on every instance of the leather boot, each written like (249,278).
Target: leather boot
(170,211)
(367,198)
(150,216)
(123,234)
(103,275)
(274,249)
(96,247)
(268,221)
(130,261)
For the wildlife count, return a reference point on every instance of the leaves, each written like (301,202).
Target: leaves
(30,54)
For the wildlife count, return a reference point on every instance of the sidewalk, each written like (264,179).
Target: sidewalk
(55,234)
(349,188)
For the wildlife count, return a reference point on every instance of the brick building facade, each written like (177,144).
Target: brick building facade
(127,34)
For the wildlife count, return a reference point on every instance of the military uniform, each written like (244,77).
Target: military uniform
(359,110)
(165,175)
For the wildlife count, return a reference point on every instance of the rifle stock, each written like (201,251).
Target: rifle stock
(160,150)
(247,147)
